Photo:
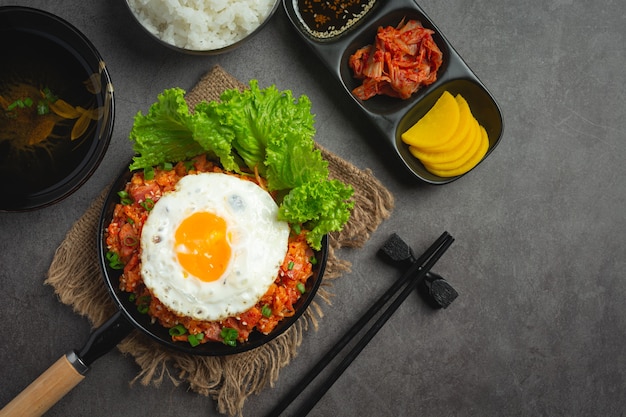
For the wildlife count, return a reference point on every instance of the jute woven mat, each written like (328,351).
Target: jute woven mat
(229,380)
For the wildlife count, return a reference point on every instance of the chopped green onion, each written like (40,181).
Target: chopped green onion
(229,336)
(194,339)
(42,108)
(301,288)
(132,297)
(266,311)
(313,260)
(177,330)
(130,221)
(296,228)
(27,102)
(143,304)
(51,98)
(148,173)
(148,204)
(114,260)
(290,265)
(167,166)
(125,198)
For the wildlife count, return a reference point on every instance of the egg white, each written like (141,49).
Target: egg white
(258,241)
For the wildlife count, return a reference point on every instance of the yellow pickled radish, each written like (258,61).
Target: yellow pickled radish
(458,163)
(466,120)
(471,163)
(437,126)
(466,155)
(442,150)
(466,147)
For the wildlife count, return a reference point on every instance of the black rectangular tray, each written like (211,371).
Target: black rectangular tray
(393,116)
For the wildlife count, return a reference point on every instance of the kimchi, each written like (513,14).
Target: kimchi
(399,62)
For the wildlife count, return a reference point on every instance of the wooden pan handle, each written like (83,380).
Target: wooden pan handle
(47,389)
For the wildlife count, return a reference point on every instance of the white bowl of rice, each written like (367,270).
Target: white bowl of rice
(202,27)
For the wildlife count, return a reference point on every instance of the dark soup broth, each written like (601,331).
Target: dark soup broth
(49,108)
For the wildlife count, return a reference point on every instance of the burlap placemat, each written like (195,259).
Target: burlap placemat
(76,277)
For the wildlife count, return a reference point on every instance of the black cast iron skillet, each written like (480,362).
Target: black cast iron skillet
(71,368)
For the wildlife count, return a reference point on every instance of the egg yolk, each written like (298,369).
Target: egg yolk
(203,245)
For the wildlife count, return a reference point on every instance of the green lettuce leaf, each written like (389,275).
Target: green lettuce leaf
(292,161)
(264,129)
(272,131)
(321,206)
(164,135)
(216,138)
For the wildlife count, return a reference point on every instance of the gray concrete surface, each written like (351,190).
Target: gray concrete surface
(539,328)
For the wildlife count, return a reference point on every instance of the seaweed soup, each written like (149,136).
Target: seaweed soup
(40,148)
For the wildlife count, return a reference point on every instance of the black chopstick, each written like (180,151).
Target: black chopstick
(423,264)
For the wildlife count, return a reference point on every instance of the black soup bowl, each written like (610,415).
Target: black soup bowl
(56,108)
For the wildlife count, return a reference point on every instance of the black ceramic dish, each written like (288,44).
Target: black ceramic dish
(160,333)
(393,116)
(41,50)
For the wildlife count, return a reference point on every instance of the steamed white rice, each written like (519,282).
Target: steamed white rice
(201,24)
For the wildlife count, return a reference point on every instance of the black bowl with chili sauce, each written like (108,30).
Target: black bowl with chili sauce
(390,115)
(144,322)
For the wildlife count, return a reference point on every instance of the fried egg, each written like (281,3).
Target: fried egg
(212,247)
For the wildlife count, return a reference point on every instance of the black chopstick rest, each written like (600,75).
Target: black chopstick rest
(436,291)
(397,252)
